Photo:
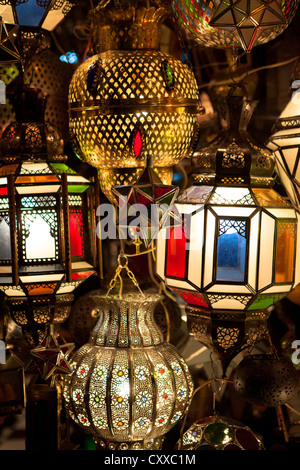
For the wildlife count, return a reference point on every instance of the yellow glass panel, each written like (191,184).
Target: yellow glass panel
(41,291)
(37,179)
(285,250)
(269,197)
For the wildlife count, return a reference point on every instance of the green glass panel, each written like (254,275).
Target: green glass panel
(265,302)
(218,433)
(77,188)
(62,168)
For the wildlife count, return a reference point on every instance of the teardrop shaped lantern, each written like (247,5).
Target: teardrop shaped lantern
(237,249)
(128,387)
(131,99)
(46,225)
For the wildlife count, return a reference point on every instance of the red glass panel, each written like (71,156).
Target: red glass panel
(82,275)
(76,234)
(192,298)
(137,144)
(3,191)
(176,252)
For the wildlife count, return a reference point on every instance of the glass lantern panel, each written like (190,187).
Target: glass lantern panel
(76,234)
(5,246)
(285,249)
(232,247)
(176,252)
(269,197)
(41,235)
(30,13)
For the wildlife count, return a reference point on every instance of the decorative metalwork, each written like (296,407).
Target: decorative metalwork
(234,24)
(127,386)
(237,248)
(265,380)
(121,93)
(219,433)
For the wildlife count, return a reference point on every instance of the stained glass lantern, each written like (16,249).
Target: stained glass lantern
(47,225)
(219,433)
(43,14)
(131,99)
(237,249)
(243,24)
(128,387)
(284,142)
(266,380)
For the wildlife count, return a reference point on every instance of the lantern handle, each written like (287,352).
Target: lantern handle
(123,265)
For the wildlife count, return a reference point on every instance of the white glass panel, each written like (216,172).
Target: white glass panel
(187,208)
(34,167)
(209,248)
(5,269)
(3,181)
(5,245)
(282,213)
(7,14)
(81,265)
(40,244)
(42,278)
(228,288)
(14,293)
(161,252)
(229,304)
(196,248)
(178,283)
(53,18)
(266,251)
(47,188)
(279,288)
(77,179)
(290,156)
(233,211)
(230,194)
(253,250)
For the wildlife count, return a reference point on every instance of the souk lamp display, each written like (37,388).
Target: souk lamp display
(131,100)
(240,25)
(285,141)
(219,433)
(47,225)
(128,387)
(237,250)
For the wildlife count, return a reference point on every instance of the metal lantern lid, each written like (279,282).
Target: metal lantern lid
(134,27)
(233,158)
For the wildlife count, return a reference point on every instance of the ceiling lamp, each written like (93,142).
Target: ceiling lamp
(131,100)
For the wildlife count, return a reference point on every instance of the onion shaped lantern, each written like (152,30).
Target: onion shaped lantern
(127,387)
(237,248)
(131,100)
(47,225)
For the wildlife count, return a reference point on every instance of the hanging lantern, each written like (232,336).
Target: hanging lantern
(234,24)
(237,250)
(128,387)
(44,14)
(265,380)
(284,142)
(47,224)
(131,100)
(219,433)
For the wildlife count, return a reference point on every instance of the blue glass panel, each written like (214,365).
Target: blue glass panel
(30,14)
(232,246)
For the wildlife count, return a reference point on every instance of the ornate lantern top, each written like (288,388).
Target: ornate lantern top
(233,158)
(126,29)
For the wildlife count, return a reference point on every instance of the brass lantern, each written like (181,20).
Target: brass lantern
(131,100)
(127,387)
(47,225)
(237,249)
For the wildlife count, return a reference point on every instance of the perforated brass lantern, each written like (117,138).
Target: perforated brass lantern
(238,247)
(47,226)
(131,100)
(128,387)
(219,433)
(243,24)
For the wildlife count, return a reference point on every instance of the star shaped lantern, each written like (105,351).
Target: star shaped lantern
(246,20)
(51,357)
(8,52)
(145,206)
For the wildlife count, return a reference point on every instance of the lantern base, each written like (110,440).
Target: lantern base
(146,444)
